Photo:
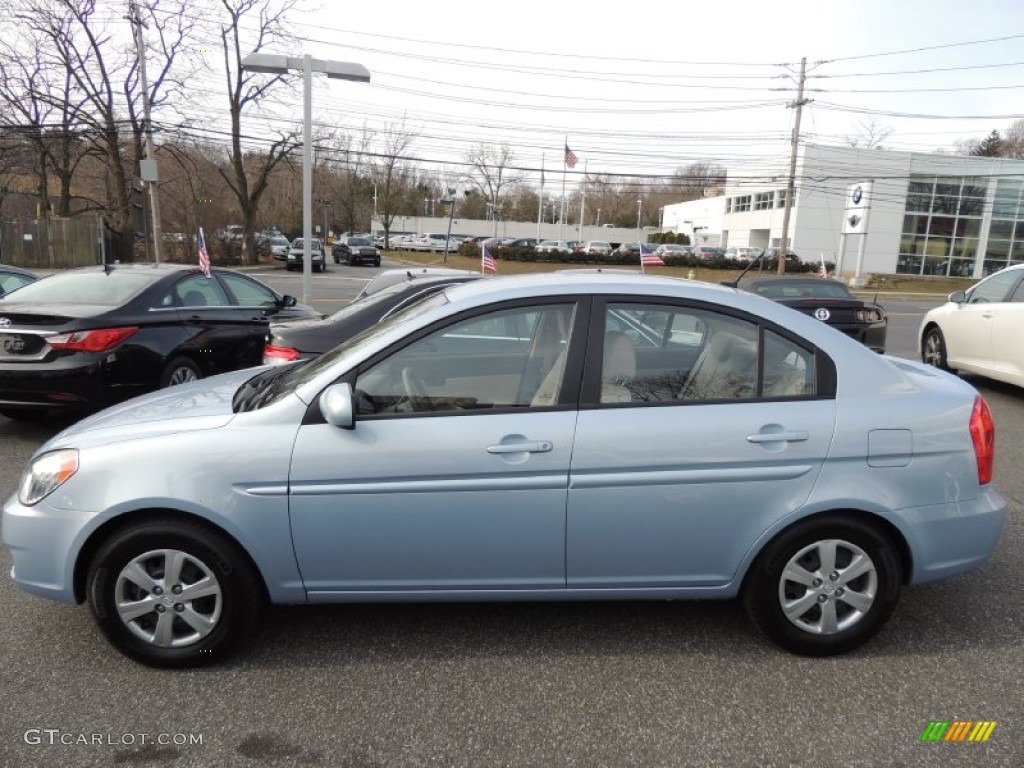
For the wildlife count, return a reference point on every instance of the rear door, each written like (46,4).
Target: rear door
(681,463)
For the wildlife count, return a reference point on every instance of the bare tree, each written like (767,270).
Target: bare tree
(249,171)
(491,172)
(870,134)
(104,76)
(348,178)
(393,173)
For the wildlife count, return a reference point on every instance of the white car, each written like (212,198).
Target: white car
(978,330)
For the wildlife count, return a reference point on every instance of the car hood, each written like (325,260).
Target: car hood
(204,404)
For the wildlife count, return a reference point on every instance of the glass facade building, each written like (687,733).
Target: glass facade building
(944,221)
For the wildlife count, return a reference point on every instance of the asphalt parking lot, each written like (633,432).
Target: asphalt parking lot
(587,684)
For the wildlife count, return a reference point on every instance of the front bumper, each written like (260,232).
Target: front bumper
(41,540)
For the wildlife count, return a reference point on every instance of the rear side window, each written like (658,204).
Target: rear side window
(659,353)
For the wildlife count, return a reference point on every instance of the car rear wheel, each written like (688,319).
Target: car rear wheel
(173,593)
(824,587)
(933,349)
(180,370)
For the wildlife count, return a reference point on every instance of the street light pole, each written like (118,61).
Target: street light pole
(338,70)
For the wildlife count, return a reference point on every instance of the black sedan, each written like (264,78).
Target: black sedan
(828,301)
(87,338)
(306,339)
(356,250)
(12,278)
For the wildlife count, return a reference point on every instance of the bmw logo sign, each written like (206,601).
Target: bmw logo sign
(822,314)
(857,194)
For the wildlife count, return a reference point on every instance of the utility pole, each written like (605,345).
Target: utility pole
(795,143)
(147,167)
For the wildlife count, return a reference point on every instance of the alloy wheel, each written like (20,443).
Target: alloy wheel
(168,598)
(828,587)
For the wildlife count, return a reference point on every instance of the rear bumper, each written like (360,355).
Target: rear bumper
(79,382)
(949,539)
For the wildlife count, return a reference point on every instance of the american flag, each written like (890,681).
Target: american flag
(822,271)
(204,257)
(570,156)
(487,262)
(648,257)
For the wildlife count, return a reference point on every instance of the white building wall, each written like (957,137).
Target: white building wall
(826,174)
(700,219)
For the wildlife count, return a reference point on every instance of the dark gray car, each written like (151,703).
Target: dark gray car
(356,250)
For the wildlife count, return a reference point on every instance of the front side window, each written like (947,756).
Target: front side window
(507,359)
(660,353)
(994,288)
(248,292)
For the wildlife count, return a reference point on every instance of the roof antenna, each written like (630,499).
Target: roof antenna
(735,283)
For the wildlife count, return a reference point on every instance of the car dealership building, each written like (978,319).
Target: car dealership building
(901,212)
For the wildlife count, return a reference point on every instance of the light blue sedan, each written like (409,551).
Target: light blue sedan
(558,437)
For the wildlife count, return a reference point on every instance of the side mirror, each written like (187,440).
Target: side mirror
(958,297)
(336,406)
(288,301)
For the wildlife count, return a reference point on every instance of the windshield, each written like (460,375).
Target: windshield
(255,394)
(359,241)
(109,289)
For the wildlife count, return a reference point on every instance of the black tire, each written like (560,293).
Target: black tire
(179,371)
(874,592)
(376,262)
(349,262)
(933,348)
(226,617)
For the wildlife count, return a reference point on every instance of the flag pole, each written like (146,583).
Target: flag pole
(583,198)
(565,160)
(540,198)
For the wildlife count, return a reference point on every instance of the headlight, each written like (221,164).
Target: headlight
(46,474)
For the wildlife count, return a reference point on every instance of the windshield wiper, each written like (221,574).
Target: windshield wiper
(261,388)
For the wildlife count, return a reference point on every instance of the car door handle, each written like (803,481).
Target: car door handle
(795,436)
(538,446)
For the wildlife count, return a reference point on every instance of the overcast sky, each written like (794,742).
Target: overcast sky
(645,87)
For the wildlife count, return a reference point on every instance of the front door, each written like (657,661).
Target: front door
(455,476)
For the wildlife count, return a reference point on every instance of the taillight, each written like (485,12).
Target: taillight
(983,435)
(273,355)
(869,315)
(98,340)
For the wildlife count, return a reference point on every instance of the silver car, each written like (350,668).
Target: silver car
(567,436)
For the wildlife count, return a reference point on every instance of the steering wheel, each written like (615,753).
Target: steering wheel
(415,390)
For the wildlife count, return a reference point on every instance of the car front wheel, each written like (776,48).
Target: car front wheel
(933,349)
(173,593)
(824,587)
